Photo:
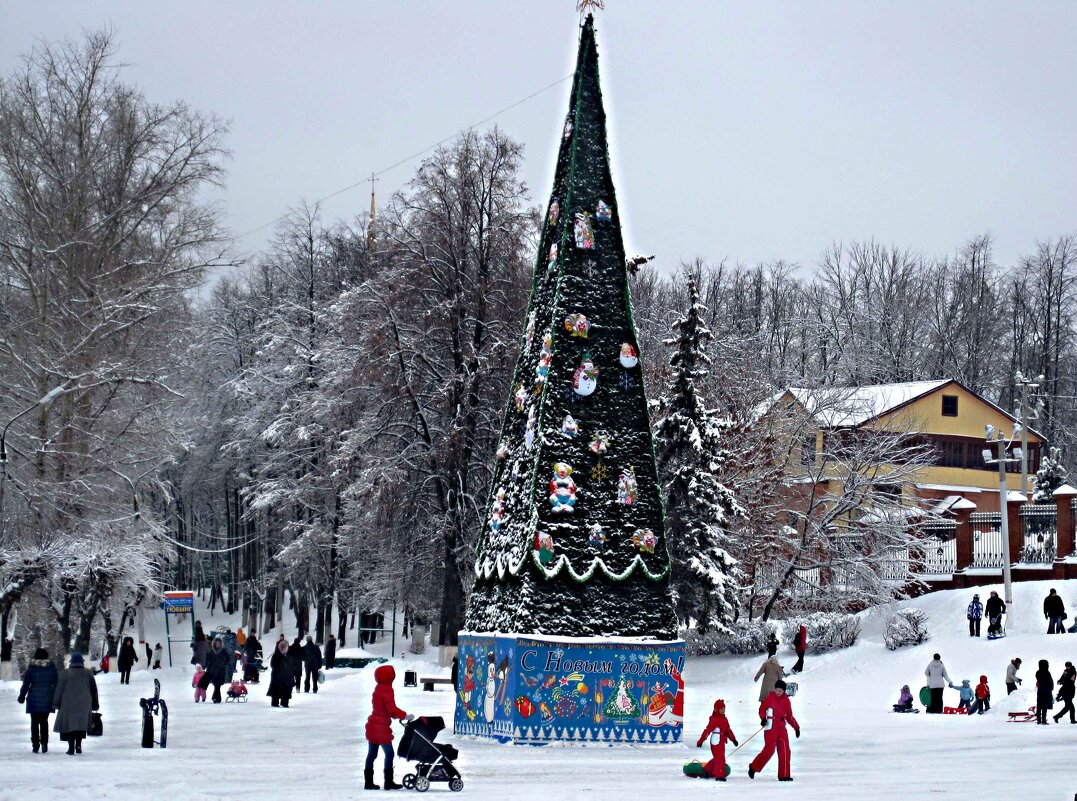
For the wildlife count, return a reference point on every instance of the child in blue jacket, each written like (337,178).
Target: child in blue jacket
(967,695)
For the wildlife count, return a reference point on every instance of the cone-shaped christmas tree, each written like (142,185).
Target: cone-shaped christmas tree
(573,541)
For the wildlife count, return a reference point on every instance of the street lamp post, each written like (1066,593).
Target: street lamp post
(1003,494)
(1025,384)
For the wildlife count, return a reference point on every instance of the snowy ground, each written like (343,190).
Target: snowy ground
(852,747)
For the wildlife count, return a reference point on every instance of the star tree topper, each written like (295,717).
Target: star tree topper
(586,6)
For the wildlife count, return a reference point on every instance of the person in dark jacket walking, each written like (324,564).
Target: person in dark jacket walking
(295,659)
(200,645)
(994,610)
(330,652)
(1045,692)
(1055,612)
(800,646)
(312,661)
(975,613)
(281,679)
(217,667)
(38,685)
(75,699)
(126,659)
(379,731)
(1066,692)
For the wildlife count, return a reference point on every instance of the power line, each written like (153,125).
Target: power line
(413,156)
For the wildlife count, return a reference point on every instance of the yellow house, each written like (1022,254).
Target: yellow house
(945,415)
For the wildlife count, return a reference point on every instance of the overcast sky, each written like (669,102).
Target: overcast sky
(747,130)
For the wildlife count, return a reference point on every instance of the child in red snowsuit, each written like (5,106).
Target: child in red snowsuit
(983,698)
(718,731)
(774,713)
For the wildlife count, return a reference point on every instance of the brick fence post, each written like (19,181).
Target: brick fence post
(962,509)
(1064,519)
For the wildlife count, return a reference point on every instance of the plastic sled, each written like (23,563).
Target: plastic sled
(696,770)
(954,710)
(1021,717)
(909,711)
(925,696)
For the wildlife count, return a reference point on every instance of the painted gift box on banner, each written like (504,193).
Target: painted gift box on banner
(535,690)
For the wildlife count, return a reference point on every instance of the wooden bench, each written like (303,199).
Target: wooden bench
(428,683)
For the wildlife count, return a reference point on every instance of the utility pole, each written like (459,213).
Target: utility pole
(1024,384)
(1003,503)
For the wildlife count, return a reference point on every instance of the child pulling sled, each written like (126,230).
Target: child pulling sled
(718,732)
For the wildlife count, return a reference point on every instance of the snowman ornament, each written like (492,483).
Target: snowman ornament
(585,378)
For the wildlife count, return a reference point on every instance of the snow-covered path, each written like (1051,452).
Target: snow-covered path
(852,747)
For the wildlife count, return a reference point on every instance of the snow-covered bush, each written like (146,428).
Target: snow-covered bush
(906,627)
(742,638)
(827,631)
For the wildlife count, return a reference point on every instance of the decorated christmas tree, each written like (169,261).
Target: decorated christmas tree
(573,540)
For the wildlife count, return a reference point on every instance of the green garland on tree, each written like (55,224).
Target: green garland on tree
(573,539)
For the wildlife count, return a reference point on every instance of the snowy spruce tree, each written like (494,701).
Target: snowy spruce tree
(573,539)
(1051,475)
(691,454)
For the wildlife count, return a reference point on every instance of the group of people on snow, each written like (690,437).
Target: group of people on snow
(71,693)
(1054,612)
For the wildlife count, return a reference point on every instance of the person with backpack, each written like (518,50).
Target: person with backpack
(1066,692)
(994,610)
(800,646)
(379,727)
(75,699)
(937,681)
(38,684)
(312,661)
(126,659)
(1045,692)
(975,613)
(1055,612)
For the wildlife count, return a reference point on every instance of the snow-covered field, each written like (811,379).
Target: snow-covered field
(852,747)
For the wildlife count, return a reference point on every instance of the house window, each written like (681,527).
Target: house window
(949,405)
(951,453)
(807,449)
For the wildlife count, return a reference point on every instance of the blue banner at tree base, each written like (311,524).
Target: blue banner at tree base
(533,690)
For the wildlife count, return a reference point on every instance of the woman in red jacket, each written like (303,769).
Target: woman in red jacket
(379,731)
(774,713)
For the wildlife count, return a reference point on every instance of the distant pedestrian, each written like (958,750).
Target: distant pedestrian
(126,659)
(295,659)
(75,699)
(7,666)
(1045,692)
(199,644)
(772,644)
(38,685)
(149,655)
(1011,675)
(975,613)
(771,671)
(800,646)
(158,654)
(280,676)
(312,661)
(241,638)
(937,681)
(1066,685)
(1054,610)
(330,652)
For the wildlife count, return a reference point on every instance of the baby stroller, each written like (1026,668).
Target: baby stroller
(237,692)
(435,759)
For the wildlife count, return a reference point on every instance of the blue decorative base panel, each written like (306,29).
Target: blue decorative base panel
(538,689)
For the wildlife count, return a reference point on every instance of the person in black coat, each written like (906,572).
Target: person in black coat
(126,659)
(1045,692)
(281,679)
(1066,686)
(330,652)
(312,661)
(295,659)
(994,609)
(38,685)
(1055,612)
(217,667)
